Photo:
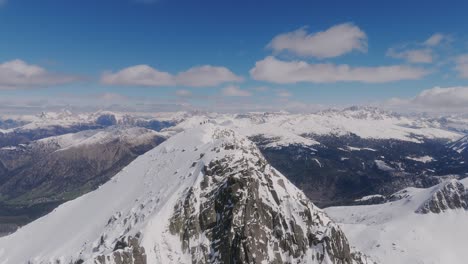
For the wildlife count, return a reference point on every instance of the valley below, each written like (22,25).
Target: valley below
(214,188)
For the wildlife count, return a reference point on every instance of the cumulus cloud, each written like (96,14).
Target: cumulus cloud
(140,75)
(413,56)
(233,90)
(262,88)
(435,40)
(434,99)
(273,70)
(333,42)
(419,52)
(183,93)
(17,74)
(144,75)
(443,97)
(462,65)
(283,93)
(112,97)
(206,76)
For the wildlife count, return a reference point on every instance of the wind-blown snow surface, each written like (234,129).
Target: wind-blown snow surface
(394,233)
(140,202)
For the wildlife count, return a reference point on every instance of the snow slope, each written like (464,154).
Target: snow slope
(168,190)
(130,135)
(394,233)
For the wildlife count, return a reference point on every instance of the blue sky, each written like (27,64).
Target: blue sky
(76,44)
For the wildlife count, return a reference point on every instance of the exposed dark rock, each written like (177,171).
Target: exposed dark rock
(342,168)
(106,120)
(126,251)
(38,177)
(446,196)
(240,210)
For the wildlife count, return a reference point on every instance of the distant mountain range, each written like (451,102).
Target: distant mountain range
(355,156)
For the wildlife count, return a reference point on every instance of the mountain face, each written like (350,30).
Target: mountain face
(206,195)
(413,226)
(334,156)
(338,156)
(342,169)
(448,196)
(36,177)
(24,129)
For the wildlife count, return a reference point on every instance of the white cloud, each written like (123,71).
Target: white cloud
(413,56)
(141,75)
(434,99)
(443,97)
(419,52)
(183,93)
(262,88)
(111,97)
(333,42)
(273,70)
(144,75)
(462,65)
(206,76)
(233,90)
(435,40)
(283,93)
(18,74)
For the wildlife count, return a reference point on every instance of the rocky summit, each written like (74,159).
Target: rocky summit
(446,196)
(206,195)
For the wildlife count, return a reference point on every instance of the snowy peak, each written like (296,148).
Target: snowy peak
(449,195)
(206,195)
(244,211)
(414,226)
(362,112)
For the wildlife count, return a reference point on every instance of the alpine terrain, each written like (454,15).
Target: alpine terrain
(206,195)
(413,226)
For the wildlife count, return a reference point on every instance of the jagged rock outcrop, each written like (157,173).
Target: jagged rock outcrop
(126,251)
(206,195)
(244,211)
(446,196)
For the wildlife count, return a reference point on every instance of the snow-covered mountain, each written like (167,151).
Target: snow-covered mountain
(461,146)
(337,156)
(36,177)
(66,119)
(281,127)
(284,129)
(25,128)
(206,195)
(414,226)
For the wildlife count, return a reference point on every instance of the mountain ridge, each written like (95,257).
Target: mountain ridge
(146,210)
